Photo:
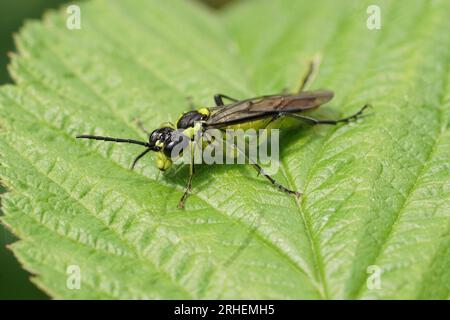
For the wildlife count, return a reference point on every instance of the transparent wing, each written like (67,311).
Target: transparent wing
(266,106)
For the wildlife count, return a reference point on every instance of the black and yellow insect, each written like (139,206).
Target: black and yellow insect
(254,112)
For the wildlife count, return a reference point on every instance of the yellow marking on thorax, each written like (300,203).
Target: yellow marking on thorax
(204,111)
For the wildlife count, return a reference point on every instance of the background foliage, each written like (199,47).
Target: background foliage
(376,192)
(14,281)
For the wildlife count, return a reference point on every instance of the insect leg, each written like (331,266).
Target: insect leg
(275,117)
(218,99)
(318,121)
(191,175)
(313,65)
(260,170)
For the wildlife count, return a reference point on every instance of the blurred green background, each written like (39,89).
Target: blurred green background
(14,281)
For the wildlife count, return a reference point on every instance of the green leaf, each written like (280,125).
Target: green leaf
(376,192)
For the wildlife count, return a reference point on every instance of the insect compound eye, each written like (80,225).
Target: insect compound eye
(154,136)
(161,135)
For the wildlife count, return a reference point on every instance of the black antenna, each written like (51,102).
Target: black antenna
(139,157)
(141,143)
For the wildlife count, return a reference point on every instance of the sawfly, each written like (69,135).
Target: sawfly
(253,112)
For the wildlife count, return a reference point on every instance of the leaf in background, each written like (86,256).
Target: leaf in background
(376,192)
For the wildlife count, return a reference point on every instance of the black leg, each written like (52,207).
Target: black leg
(218,99)
(260,170)
(275,117)
(317,121)
(139,157)
(313,65)
(187,191)
(191,175)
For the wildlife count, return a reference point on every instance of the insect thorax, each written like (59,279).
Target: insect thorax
(188,119)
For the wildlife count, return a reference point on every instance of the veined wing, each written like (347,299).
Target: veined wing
(265,107)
